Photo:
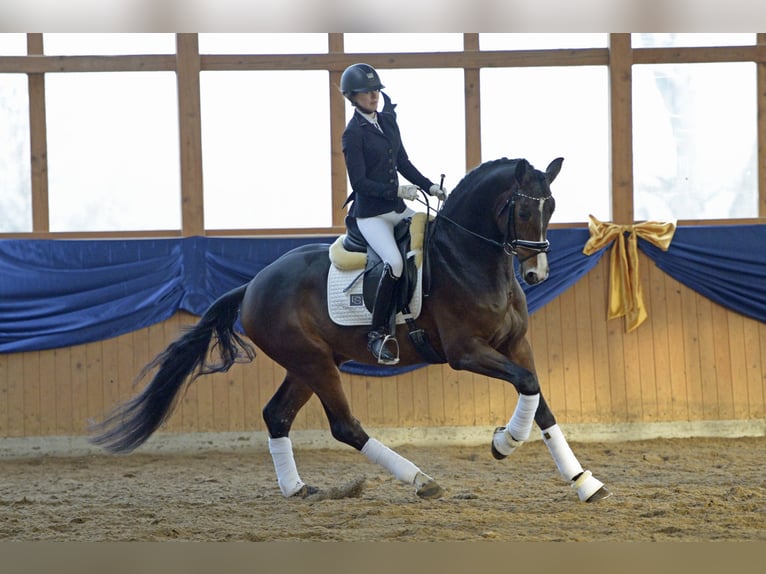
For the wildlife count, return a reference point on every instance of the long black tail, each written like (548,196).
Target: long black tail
(130,424)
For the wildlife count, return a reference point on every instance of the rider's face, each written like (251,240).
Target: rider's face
(367,101)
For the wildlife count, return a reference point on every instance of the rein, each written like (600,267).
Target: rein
(510,242)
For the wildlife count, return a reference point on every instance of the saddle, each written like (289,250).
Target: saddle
(351,252)
(351,258)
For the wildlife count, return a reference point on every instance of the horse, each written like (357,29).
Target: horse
(474,315)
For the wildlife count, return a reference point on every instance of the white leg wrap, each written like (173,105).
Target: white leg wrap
(281,450)
(520,424)
(565,459)
(394,463)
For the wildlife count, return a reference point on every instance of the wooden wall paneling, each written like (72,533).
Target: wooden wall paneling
(14,395)
(463,392)
(62,361)
(31,392)
(586,352)
(737,351)
(570,358)
(692,355)
(236,381)
(676,378)
(5,360)
(451,395)
(420,396)
(599,336)
(658,317)
(722,337)
(374,392)
(94,380)
(404,396)
(617,364)
(80,412)
(436,394)
(633,393)
(48,391)
(647,335)
(754,340)
(755,390)
(708,371)
(390,411)
(557,398)
(109,375)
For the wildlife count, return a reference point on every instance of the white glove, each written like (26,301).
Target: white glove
(438,192)
(408,191)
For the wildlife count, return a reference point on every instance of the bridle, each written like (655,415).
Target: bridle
(511,242)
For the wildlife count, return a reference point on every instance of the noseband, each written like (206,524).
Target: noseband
(511,242)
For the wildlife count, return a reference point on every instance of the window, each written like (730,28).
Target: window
(266,149)
(544,113)
(13,44)
(695,141)
(113,152)
(15,183)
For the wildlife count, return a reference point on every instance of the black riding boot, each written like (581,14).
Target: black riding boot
(380,342)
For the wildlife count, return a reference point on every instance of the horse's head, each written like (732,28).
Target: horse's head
(517,198)
(523,213)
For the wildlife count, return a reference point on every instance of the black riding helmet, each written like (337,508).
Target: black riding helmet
(359,78)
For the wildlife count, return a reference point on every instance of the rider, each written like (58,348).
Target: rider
(372,147)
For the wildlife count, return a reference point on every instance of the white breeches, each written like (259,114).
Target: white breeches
(379,233)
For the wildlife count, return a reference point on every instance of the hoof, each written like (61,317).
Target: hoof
(430,490)
(507,444)
(600,494)
(589,488)
(427,488)
(305,491)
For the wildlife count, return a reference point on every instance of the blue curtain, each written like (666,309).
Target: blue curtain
(56,293)
(725,264)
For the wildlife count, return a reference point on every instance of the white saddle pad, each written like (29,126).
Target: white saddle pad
(347,309)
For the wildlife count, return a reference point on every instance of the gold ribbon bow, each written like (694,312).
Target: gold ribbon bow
(625,294)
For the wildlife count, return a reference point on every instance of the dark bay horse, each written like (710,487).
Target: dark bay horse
(475,317)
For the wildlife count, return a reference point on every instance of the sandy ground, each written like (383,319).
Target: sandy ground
(663,490)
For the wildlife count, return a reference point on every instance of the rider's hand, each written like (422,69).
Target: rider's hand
(438,192)
(408,191)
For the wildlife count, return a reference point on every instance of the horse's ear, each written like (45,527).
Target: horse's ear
(553,169)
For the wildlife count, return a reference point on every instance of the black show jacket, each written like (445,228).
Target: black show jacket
(372,161)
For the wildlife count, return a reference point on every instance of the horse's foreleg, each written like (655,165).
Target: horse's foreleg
(482,359)
(279,415)
(588,487)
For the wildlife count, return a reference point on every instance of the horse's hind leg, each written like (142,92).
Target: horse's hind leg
(279,414)
(588,487)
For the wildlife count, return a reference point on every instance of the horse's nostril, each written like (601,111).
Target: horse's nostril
(530,277)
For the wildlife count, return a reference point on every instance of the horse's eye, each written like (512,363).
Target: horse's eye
(525,215)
